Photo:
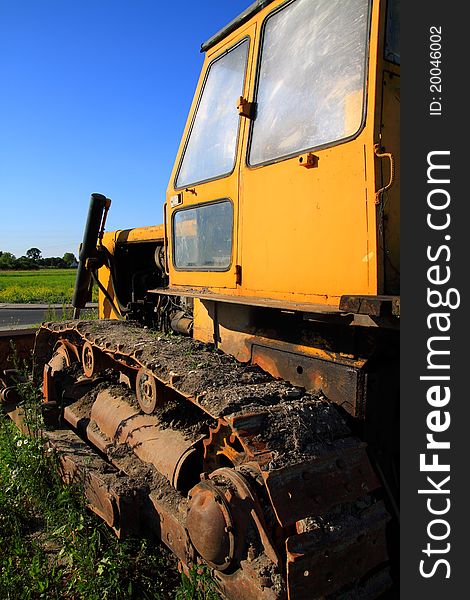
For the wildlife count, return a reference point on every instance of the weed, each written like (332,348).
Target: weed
(52,547)
(197,585)
(65,313)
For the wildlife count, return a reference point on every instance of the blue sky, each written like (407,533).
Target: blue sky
(94,97)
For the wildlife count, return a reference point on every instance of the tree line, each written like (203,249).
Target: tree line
(33,259)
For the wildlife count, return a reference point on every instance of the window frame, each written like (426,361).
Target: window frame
(391,57)
(246,38)
(173,237)
(256,90)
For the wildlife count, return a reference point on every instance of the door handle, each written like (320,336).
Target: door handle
(389,155)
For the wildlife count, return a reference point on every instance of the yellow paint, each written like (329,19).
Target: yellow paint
(110,240)
(300,235)
(140,234)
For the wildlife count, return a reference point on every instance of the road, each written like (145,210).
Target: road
(23,315)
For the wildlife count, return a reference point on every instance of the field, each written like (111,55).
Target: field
(45,286)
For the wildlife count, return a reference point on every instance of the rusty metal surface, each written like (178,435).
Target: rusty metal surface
(341,382)
(210,525)
(316,486)
(244,495)
(327,558)
(375,306)
(147,391)
(117,421)
(164,514)
(246,583)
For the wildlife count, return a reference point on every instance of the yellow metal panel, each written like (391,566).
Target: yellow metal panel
(323,248)
(140,234)
(302,235)
(154,233)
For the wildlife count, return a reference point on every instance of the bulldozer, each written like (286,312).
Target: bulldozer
(238,395)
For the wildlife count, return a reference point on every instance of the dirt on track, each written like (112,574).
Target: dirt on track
(293,424)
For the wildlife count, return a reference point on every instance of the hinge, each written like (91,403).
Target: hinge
(238,274)
(245,108)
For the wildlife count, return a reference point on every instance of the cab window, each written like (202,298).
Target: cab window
(311,78)
(211,145)
(202,237)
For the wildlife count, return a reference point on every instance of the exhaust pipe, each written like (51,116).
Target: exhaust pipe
(97,211)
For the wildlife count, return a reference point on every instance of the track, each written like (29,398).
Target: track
(260,480)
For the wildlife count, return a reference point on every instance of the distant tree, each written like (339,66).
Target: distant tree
(34,253)
(54,261)
(69,259)
(23,263)
(7,260)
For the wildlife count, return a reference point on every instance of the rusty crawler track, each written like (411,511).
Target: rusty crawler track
(228,466)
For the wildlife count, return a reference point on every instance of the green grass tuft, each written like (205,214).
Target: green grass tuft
(51,546)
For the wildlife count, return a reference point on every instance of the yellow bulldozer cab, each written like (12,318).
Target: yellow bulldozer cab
(275,194)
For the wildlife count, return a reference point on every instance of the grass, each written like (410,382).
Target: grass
(52,547)
(45,286)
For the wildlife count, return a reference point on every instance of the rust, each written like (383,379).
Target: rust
(340,379)
(210,525)
(251,505)
(147,393)
(316,486)
(223,445)
(327,558)
(376,306)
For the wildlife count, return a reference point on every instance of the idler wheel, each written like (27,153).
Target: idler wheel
(146,391)
(89,360)
(210,525)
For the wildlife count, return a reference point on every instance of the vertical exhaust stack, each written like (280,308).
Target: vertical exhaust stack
(97,211)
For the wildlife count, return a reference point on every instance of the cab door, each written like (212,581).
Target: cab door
(202,199)
(308,231)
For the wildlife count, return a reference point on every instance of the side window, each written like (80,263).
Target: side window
(202,237)
(311,77)
(211,145)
